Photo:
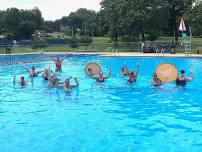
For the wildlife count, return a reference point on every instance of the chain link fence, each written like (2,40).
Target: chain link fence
(98,47)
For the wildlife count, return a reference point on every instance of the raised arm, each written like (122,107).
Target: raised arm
(39,72)
(109,75)
(77,83)
(64,57)
(25,68)
(137,69)
(14,79)
(192,76)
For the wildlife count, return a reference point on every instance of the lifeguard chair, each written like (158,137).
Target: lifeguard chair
(186,40)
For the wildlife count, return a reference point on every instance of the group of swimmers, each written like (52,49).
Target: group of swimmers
(132,77)
(54,81)
(180,81)
(48,75)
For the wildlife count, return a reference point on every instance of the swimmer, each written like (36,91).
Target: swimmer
(182,80)
(22,81)
(101,78)
(132,77)
(67,85)
(53,81)
(124,70)
(58,63)
(155,80)
(47,73)
(33,72)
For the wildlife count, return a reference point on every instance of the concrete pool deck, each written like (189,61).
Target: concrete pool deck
(131,54)
(121,54)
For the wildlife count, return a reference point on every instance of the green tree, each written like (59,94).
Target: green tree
(193,18)
(131,18)
(82,21)
(176,10)
(26,29)
(11,20)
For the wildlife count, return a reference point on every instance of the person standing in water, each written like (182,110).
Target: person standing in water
(182,80)
(132,77)
(155,80)
(33,72)
(58,63)
(22,81)
(101,78)
(47,73)
(124,70)
(67,85)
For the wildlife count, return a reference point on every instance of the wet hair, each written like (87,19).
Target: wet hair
(33,68)
(132,73)
(22,77)
(182,71)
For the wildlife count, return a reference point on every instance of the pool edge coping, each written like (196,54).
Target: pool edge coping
(106,54)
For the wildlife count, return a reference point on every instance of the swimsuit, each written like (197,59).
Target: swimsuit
(58,66)
(181,82)
(100,80)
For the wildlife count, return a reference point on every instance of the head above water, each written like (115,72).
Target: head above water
(131,73)
(22,77)
(154,75)
(67,82)
(58,58)
(33,68)
(182,71)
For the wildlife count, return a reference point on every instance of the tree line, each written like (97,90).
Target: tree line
(125,20)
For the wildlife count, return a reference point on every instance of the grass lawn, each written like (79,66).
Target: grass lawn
(100,44)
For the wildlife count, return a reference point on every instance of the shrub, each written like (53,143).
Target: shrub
(73,41)
(85,40)
(39,43)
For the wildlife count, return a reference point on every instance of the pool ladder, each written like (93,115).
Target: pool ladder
(112,52)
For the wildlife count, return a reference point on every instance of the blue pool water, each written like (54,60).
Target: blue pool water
(109,117)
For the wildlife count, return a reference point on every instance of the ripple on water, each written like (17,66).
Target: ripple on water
(113,116)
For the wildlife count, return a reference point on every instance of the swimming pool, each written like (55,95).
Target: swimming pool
(111,117)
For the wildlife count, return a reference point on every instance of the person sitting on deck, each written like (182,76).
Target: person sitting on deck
(182,80)
(101,78)
(132,77)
